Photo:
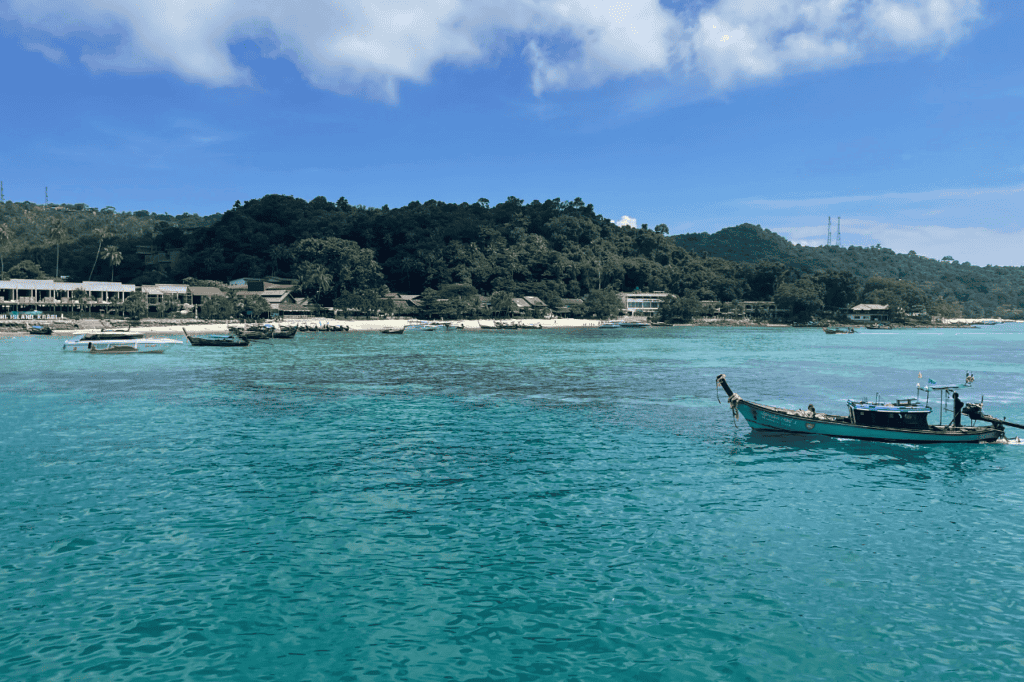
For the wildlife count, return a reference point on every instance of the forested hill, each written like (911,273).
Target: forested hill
(552,249)
(979,288)
(744,243)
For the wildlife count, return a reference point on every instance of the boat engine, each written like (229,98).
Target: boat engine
(974,411)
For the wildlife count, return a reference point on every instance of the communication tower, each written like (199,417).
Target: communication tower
(829,242)
(839,235)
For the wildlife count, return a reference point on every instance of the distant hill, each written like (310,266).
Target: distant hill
(744,243)
(980,290)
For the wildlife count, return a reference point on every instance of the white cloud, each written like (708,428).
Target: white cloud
(626,220)
(973,193)
(52,54)
(371,47)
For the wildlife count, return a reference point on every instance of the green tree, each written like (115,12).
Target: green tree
(899,295)
(100,233)
(58,235)
(840,288)
(765,279)
(254,306)
(502,303)
(136,305)
(679,308)
(349,266)
(26,269)
(602,303)
(314,280)
(219,308)
(803,298)
(5,238)
(367,302)
(113,256)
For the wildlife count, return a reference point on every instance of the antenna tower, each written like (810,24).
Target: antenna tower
(839,236)
(1,192)
(829,242)
(46,194)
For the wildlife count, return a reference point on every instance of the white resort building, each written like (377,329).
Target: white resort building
(47,295)
(642,303)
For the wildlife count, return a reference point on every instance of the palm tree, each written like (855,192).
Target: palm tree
(101,233)
(314,277)
(110,253)
(58,235)
(278,252)
(5,236)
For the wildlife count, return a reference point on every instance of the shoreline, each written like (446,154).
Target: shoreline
(71,327)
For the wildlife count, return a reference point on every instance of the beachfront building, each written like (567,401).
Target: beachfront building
(47,295)
(642,303)
(200,295)
(569,308)
(869,312)
(164,296)
(761,309)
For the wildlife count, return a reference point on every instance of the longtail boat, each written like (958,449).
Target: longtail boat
(221,340)
(901,421)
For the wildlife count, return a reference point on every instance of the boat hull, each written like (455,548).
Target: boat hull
(764,418)
(118,347)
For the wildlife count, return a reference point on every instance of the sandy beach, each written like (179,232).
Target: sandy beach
(70,327)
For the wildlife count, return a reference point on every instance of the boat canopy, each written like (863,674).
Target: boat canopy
(902,415)
(898,406)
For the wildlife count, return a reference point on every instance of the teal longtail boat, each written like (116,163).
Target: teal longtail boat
(902,421)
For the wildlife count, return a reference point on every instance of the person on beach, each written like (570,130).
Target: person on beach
(958,408)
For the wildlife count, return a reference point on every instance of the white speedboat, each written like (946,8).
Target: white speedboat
(421,326)
(118,342)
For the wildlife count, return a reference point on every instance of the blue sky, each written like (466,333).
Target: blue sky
(904,117)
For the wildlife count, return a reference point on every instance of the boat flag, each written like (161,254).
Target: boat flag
(931,381)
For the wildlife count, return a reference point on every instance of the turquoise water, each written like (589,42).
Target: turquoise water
(571,504)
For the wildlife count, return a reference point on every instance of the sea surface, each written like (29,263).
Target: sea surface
(570,504)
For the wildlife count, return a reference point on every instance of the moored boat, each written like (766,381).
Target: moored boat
(222,340)
(901,421)
(43,330)
(421,326)
(252,332)
(135,343)
(840,330)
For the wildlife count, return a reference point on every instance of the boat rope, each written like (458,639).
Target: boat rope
(718,382)
(734,402)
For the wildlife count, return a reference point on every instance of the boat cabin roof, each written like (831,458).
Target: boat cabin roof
(904,405)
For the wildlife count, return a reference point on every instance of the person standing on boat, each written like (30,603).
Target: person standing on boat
(958,408)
